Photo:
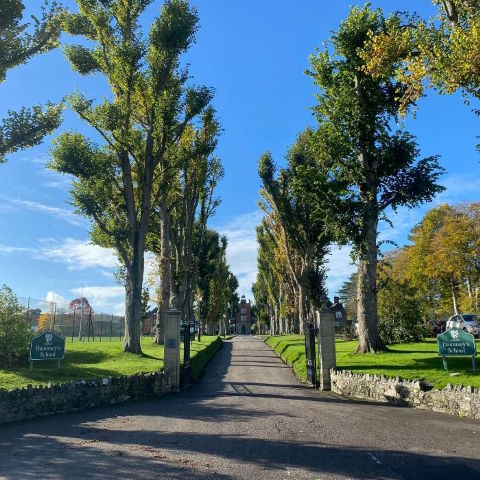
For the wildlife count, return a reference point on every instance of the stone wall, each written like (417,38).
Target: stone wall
(25,403)
(454,400)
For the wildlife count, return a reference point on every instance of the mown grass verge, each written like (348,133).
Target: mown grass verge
(201,356)
(418,360)
(86,360)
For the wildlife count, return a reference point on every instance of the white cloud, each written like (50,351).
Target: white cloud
(242,248)
(119,309)
(339,267)
(54,297)
(99,297)
(77,254)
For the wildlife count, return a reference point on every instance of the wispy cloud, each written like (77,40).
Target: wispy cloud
(52,179)
(76,254)
(6,249)
(58,212)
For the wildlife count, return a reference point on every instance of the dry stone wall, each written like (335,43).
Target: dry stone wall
(30,402)
(454,400)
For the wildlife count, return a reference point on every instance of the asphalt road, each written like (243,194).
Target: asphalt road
(249,418)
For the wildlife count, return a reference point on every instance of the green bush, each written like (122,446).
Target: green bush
(15,332)
(399,313)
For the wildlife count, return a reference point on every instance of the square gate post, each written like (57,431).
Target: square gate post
(326,344)
(172,344)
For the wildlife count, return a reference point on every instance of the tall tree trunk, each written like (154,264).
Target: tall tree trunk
(133,305)
(276,318)
(368,336)
(301,307)
(454,299)
(272,323)
(470,293)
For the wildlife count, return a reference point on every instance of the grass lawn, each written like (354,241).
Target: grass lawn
(417,360)
(86,360)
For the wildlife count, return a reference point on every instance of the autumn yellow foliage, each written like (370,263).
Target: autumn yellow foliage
(44,321)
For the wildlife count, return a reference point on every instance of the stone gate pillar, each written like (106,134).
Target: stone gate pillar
(326,344)
(172,344)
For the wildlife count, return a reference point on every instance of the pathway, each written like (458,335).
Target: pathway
(249,418)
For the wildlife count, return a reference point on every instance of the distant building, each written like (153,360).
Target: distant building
(243,318)
(340,320)
(149,322)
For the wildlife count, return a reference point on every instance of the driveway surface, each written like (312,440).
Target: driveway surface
(249,418)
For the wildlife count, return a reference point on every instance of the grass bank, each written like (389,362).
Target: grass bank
(86,360)
(418,360)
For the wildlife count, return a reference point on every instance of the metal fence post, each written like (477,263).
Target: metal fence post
(73,323)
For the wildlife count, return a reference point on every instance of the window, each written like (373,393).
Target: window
(243,318)
(244,310)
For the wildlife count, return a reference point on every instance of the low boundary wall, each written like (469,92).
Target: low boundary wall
(453,399)
(30,402)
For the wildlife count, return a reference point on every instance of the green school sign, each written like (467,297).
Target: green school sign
(47,346)
(456,343)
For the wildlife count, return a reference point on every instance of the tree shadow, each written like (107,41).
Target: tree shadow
(71,447)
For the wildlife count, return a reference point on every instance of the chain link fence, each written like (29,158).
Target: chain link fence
(75,323)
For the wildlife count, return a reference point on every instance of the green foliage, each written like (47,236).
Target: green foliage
(442,53)
(295,200)
(15,332)
(399,313)
(143,127)
(348,296)
(373,162)
(223,285)
(19,42)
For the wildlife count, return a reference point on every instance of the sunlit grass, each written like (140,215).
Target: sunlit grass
(86,360)
(418,360)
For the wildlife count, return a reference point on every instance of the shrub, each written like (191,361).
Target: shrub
(15,332)
(399,313)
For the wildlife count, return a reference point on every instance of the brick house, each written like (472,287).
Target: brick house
(243,317)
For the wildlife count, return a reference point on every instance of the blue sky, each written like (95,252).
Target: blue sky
(254,54)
